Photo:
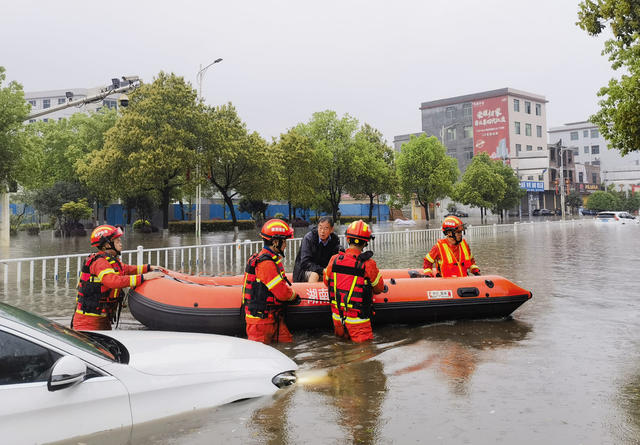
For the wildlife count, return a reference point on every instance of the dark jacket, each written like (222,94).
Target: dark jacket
(314,256)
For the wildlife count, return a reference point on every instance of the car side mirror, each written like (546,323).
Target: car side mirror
(65,372)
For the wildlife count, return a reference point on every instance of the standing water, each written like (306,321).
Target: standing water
(565,368)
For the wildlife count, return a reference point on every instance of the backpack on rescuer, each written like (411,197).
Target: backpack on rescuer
(255,294)
(91,297)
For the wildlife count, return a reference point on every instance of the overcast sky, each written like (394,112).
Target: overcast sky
(284,60)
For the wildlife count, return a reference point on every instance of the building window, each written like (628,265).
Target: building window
(595,133)
(468,155)
(31,121)
(32,102)
(46,103)
(516,105)
(538,110)
(570,175)
(585,133)
(450,112)
(527,107)
(552,155)
(580,177)
(529,147)
(518,148)
(45,120)
(595,149)
(61,100)
(586,149)
(468,131)
(540,177)
(576,151)
(517,127)
(451,134)
(527,129)
(466,110)
(574,135)
(539,148)
(594,178)
(539,131)
(530,177)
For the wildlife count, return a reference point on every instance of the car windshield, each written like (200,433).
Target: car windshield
(78,339)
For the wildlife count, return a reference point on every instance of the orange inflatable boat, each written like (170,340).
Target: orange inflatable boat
(180,302)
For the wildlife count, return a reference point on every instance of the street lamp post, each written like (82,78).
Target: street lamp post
(199,77)
(561,178)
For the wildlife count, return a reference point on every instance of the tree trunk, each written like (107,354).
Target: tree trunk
(229,202)
(165,208)
(289,202)
(370,207)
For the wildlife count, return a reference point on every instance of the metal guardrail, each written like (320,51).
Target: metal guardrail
(216,259)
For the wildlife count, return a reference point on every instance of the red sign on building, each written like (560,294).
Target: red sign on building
(491,127)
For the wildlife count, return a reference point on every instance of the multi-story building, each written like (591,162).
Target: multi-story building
(591,151)
(41,100)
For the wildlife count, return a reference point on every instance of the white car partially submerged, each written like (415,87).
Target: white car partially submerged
(57,384)
(614,217)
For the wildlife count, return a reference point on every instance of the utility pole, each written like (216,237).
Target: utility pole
(560,147)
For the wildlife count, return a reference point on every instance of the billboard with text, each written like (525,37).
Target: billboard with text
(491,127)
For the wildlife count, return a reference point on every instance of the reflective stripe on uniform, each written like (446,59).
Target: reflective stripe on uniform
(79,311)
(375,282)
(140,269)
(350,320)
(103,273)
(273,283)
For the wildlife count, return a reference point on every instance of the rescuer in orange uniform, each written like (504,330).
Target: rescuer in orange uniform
(266,288)
(353,277)
(450,256)
(102,277)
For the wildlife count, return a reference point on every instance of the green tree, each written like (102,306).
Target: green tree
(618,118)
(13,112)
(513,193)
(425,172)
(481,186)
(374,166)
(332,139)
(153,144)
(49,200)
(632,202)
(574,201)
(298,169)
(601,200)
(234,161)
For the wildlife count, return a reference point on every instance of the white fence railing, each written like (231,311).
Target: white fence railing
(215,259)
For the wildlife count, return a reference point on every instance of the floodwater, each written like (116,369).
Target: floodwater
(564,369)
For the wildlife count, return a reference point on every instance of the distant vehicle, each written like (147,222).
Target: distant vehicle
(57,384)
(588,212)
(457,213)
(612,217)
(542,212)
(404,222)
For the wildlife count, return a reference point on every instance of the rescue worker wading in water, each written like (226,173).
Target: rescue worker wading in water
(450,256)
(102,277)
(353,277)
(266,288)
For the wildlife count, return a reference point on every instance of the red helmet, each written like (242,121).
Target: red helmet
(276,229)
(103,234)
(359,230)
(452,224)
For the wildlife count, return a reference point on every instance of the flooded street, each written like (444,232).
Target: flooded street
(565,368)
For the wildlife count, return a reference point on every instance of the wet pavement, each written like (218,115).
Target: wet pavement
(565,368)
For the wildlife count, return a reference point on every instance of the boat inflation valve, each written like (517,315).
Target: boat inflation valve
(489,283)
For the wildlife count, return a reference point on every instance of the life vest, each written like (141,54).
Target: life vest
(350,291)
(93,297)
(256,297)
(448,264)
